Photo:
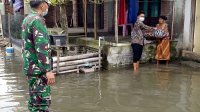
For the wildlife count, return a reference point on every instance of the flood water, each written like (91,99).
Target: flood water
(172,88)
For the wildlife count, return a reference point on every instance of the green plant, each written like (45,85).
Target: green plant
(63,14)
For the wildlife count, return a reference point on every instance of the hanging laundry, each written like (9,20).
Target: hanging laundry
(17,5)
(132,10)
(122,12)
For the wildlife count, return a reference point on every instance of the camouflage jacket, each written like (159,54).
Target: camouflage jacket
(36,49)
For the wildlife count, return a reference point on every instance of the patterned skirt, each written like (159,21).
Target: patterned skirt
(163,49)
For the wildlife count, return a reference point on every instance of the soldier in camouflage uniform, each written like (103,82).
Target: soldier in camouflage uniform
(37,57)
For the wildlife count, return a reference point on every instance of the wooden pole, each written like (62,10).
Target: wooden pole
(172,24)
(85,16)
(1,27)
(95,19)
(116,21)
(9,32)
(74,13)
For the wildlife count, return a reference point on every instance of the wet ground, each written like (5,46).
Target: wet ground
(172,88)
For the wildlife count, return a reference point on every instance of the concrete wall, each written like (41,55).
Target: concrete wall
(109,15)
(197,29)
(179,19)
(2,8)
(26,8)
(188,26)
(183,21)
(121,55)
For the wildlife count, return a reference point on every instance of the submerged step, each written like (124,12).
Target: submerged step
(191,64)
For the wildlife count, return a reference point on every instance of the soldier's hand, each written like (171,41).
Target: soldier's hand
(50,77)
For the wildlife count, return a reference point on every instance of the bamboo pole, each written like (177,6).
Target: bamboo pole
(82,56)
(116,21)
(73,67)
(72,70)
(69,71)
(85,16)
(95,19)
(76,62)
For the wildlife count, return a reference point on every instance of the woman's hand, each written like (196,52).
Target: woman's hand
(155,28)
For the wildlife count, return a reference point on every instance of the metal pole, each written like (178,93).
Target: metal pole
(100,38)
(58,59)
(99,52)
(116,21)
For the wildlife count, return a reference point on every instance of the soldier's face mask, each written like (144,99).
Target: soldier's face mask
(45,12)
(45,8)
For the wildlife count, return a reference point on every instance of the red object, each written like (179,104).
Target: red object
(122,12)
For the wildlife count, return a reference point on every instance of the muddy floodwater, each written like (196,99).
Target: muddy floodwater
(172,88)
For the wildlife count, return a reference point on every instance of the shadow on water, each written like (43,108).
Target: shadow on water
(172,88)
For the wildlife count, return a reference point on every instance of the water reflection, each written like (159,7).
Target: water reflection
(12,90)
(171,88)
(162,77)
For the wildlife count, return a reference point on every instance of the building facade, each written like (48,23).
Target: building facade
(183,17)
(186,25)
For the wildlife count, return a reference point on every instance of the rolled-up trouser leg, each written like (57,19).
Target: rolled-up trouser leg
(40,94)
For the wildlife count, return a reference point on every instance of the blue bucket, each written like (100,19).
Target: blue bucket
(9,51)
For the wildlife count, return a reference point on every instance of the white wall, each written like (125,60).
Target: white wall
(197,29)
(187,34)
(27,8)
(2,8)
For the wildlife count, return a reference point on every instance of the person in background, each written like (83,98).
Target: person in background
(163,44)
(138,38)
(18,6)
(36,53)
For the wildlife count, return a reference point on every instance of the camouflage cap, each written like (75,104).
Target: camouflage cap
(40,0)
(36,3)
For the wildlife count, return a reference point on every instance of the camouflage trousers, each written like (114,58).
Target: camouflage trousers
(40,94)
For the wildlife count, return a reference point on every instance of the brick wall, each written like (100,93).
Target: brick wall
(50,18)
(167,10)
(8,8)
(108,16)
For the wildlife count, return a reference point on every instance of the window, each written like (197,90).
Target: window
(150,7)
(152,10)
